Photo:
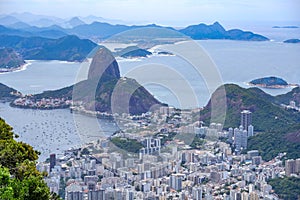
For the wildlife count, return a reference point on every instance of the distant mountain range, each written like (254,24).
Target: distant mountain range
(68,48)
(52,32)
(96,27)
(72,43)
(44,20)
(51,38)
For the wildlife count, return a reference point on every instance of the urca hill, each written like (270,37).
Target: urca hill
(103,90)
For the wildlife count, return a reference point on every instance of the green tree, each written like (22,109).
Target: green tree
(19,178)
(288,188)
(6,190)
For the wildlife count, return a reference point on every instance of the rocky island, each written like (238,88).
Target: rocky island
(292,41)
(132,52)
(270,82)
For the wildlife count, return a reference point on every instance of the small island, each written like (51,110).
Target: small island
(285,27)
(165,53)
(270,82)
(132,52)
(292,41)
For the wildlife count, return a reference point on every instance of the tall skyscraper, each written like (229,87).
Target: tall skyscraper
(237,139)
(290,167)
(197,193)
(75,195)
(230,135)
(52,161)
(244,139)
(250,131)
(246,119)
(240,138)
(253,196)
(96,195)
(176,181)
(298,166)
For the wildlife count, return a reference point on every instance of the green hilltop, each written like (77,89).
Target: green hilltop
(277,127)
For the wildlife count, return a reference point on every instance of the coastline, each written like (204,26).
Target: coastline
(28,63)
(273,86)
(18,69)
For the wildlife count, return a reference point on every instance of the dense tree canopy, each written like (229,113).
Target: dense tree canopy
(19,178)
(287,188)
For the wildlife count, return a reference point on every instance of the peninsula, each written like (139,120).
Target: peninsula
(10,60)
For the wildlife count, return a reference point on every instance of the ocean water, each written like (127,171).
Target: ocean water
(42,75)
(175,82)
(236,62)
(53,131)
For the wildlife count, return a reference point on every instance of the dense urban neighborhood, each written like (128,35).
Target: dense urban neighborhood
(215,165)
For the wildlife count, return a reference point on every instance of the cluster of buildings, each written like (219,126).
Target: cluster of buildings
(151,146)
(239,136)
(292,167)
(292,106)
(44,103)
(169,170)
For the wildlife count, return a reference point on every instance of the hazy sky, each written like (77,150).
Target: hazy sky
(162,11)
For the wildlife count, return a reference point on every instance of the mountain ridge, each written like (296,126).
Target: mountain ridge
(277,129)
(217,31)
(104,30)
(67,48)
(266,109)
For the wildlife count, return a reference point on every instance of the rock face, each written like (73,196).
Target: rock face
(104,65)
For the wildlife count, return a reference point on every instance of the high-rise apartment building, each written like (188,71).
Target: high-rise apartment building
(246,119)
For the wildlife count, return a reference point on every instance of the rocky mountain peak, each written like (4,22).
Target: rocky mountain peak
(104,66)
